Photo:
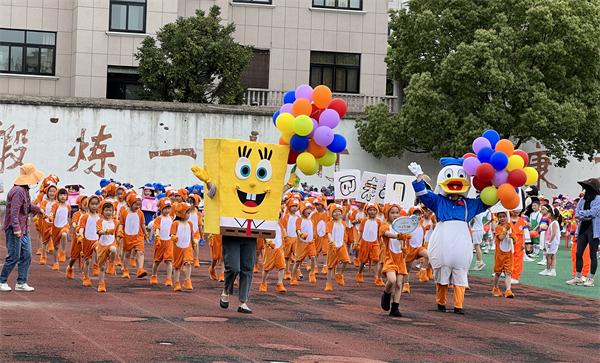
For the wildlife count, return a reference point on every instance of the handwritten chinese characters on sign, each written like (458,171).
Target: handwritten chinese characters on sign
(398,190)
(14,146)
(345,184)
(371,187)
(97,154)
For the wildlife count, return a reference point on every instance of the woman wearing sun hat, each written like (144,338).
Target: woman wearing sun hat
(18,242)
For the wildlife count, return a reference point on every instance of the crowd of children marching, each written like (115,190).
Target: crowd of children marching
(109,230)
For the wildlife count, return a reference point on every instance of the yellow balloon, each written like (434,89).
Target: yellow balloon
(307,163)
(532,175)
(285,123)
(328,159)
(515,162)
(303,125)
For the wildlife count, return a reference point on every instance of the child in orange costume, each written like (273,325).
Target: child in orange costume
(586,259)
(216,256)
(305,246)
(503,256)
(368,249)
(183,252)
(274,259)
(163,247)
(353,219)
(106,249)
(75,244)
(415,251)
(131,225)
(41,196)
(260,247)
(428,224)
(518,224)
(288,221)
(59,219)
(119,204)
(394,265)
(46,224)
(337,250)
(320,218)
(88,237)
(196,219)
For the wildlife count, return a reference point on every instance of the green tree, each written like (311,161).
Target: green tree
(195,59)
(528,68)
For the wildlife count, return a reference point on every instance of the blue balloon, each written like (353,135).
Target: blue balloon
(492,136)
(485,154)
(104,182)
(275,117)
(289,96)
(338,144)
(499,160)
(299,143)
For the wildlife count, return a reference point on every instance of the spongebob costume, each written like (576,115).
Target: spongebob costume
(450,247)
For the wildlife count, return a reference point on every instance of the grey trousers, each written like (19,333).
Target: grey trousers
(239,254)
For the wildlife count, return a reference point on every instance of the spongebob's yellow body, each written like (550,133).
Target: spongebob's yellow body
(249,177)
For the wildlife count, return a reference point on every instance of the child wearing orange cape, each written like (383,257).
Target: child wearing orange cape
(183,252)
(274,260)
(106,249)
(88,237)
(196,219)
(414,251)
(337,250)
(131,226)
(503,257)
(368,248)
(59,229)
(75,243)
(518,224)
(216,256)
(163,247)
(305,245)
(320,218)
(46,224)
(288,221)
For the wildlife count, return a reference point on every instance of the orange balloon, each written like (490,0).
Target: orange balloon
(321,96)
(301,106)
(512,203)
(316,150)
(506,193)
(505,146)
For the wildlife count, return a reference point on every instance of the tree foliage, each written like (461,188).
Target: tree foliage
(194,59)
(528,68)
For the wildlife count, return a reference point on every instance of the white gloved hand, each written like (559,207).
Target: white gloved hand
(415,169)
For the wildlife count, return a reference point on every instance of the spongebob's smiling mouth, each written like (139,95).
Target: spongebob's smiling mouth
(250,200)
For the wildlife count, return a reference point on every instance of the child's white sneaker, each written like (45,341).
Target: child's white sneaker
(544,273)
(575,281)
(589,283)
(4,287)
(542,262)
(551,273)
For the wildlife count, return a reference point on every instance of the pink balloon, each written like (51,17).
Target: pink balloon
(286,108)
(329,118)
(323,136)
(480,143)
(500,178)
(470,165)
(304,91)
(315,126)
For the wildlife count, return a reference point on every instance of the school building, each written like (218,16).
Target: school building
(85,48)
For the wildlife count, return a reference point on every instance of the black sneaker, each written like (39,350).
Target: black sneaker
(385,301)
(459,311)
(395,311)
(441,308)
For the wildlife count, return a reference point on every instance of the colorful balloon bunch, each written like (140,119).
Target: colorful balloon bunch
(306,121)
(498,169)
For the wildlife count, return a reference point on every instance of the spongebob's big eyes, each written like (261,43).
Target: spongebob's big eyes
(264,170)
(243,168)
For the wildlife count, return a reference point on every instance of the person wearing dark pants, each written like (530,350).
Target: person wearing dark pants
(587,214)
(238,256)
(16,229)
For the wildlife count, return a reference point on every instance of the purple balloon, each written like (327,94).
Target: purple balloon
(470,165)
(304,91)
(500,178)
(323,136)
(286,108)
(480,143)
(329,118)
(315,126)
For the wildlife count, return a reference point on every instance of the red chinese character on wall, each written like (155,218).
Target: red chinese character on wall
(13,147)
(541,161)
(97,154)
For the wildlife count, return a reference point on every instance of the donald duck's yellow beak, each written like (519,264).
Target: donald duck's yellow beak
(455,185)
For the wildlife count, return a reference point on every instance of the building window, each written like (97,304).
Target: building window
(338,4)
(27,52)
(338,71)
(254,1)
(256,74)
(123,83)
(128,16)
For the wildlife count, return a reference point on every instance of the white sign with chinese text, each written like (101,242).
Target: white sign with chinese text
(345,183)
(371,188)
(399,190)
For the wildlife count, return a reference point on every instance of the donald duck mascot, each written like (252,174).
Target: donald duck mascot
(450,246)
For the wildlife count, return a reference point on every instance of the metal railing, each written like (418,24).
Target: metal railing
(356,102)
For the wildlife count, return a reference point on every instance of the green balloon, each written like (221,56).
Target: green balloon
(489,195)
(303,125)
(328,159)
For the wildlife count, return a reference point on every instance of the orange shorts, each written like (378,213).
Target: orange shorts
(289,246)
(394,262)
(131,243)
(368,251)
(503,262)
(337,255)
(412,253)
(216,247)
(322,245)
(75,248)
(163,250)
(46,232)
(57,234)
(87,248)
(304,250)
(274,259)
(103,253)
(182,255)
(351,234)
